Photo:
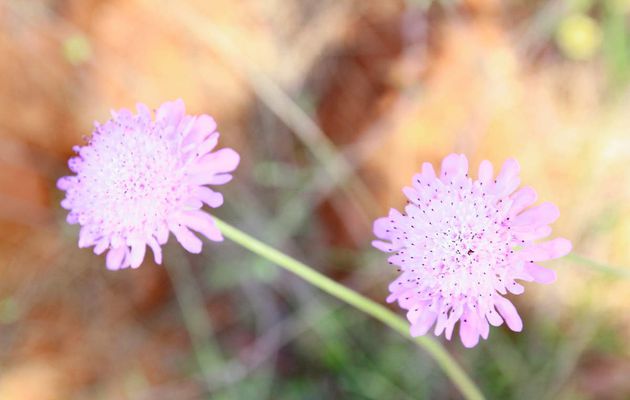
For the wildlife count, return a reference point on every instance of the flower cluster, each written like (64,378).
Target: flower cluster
(462,244)
(140,177)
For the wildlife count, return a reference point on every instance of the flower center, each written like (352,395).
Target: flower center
(460,241)
(132,178)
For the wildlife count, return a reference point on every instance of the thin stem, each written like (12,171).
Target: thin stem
(467,387)
(617,272)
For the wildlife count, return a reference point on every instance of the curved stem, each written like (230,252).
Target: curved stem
(467,387)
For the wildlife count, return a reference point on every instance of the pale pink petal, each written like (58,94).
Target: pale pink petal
(203,126)
(211,179)
(381,228)
(507,181)
(66,182)
(515,288)
(87,237)
(529,233)
(201,222)
(424,322)
(493,317)
(427,171)
(440,325)
(468,331)
(543,214)
(192,203)
(101,246)
(453,166)
(207,145)
(509,313)
(199,135)
(509,170)
(549,250)
(138,250)
(157,250)
(221,161)
(143,111)
(412,195)
(485,172)
(72,218)
(186,238)
(522,199)
(453,317)
(383,246)
(171,112)
(483,327)
(115,257)
(540,274)
(209,196)
(161,233)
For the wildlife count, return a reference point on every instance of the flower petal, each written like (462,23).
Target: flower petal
(468,331)
(509,170)
(543,214)
(493,317)
(201,222)
(522,199)
(541,274)
(412,195)
(171,112)
(115,257)
(156,248)
(509,313)
(209,196)
(453,166)
(138,250)
(208,144)
(186,238)
(424,322)
(101,246)
(453,317)
(202,127)
(483,327)
(66,182)
(221,161)
(549,250)
(485,172)
(527,233)
(381,228)
(383,246)
(515,288)
(87,237)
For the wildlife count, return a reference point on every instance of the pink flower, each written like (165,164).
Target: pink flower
(462,244)
(138,179)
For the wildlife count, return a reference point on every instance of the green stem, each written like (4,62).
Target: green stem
(467,387)
(606,269)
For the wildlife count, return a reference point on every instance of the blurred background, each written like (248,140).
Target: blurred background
(334,105)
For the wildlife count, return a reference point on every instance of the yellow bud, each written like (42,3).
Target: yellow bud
(77,49)
(578,36)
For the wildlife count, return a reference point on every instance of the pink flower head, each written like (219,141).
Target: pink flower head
(462,244)
(139,178)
